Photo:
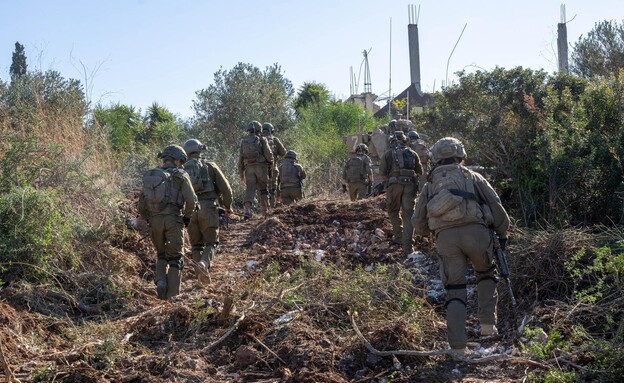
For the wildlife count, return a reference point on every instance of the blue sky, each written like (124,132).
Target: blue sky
(140,51)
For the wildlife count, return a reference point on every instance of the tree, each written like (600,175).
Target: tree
(121,123)
(18,64)
(601,53)
(240,95)
(160,125)
(310,93)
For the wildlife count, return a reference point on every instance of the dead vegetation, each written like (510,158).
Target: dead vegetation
(281,307)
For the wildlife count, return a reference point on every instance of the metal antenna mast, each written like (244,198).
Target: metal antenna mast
(368,88)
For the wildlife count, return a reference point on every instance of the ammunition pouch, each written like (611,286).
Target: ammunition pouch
(405,180)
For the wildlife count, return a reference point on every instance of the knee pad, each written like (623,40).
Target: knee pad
(454,300)
(198,247)
(488,278)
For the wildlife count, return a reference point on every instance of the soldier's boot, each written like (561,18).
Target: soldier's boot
(247,213)
(205,264)
(196,253)
(174,277)
(488,330)
(397,228)
(160,278)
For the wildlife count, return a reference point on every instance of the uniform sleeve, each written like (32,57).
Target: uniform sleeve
(279,147)
(190,199)
(419,218)
(223,186)
(418,166)
(302,172)
(266,150)
(241,163)
(487,192)
(369,168)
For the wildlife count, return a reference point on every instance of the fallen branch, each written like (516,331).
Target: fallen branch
(230,331)
(373,350)
(268,349)
(5,366)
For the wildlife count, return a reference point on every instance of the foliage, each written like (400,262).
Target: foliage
(240,95)
(601,53)
(18,63)
(34,230)
(121,123)
(310,93)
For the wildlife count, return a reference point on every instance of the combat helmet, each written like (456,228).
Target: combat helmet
(291,154)
(267,127)
(392,125)
(254,126)
(413,135)
(193,146)
(361,148)
(447,147)
(174,151)
(400,136)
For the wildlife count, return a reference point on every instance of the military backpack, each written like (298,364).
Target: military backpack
(197,170)
(355,169)
(452,199)
(252,148)
(289,174)
(404,164)
(158,191)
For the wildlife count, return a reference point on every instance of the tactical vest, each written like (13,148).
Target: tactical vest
(289,174)
(403,165)
(355,169)
(452,199)
(252,149)
(159,195)
(203,185)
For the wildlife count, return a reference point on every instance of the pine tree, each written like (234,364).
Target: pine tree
(18,66)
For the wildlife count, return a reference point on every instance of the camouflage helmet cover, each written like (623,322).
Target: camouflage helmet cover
(267,127)
(447,147)
(413,135)
(291,154)
(193,146)
(254,126)
(174,151)
(361,148)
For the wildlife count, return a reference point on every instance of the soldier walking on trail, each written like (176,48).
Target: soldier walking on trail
(211,188)
(278,152)
(357,174)
(418,145)
(458,205)
(291,176)
(167,202)
(254,161)
(400,168)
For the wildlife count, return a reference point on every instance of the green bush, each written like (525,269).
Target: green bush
(34,231)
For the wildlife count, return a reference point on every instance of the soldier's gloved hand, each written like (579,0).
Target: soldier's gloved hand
(503,243)
(344,188)
(186,221)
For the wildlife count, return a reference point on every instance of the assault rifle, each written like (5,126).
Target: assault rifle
(501,264)
(380,188)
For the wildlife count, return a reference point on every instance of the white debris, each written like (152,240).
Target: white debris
(251,264)
(318,254)
(417,257)
(369,267)
(380,233)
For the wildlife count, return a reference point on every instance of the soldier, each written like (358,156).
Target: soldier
(357,174)
(167,203)
(291,176)
(211,187)
(458,205)
(418,145)
(254,161)
(400,168)
(278,152)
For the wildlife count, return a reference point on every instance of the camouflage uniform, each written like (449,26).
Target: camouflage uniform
(166,229)
(401,190)
(358,186)
(212,189)
(467,237)
(419,146)
(279,151)
(291,176)
(254,172)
